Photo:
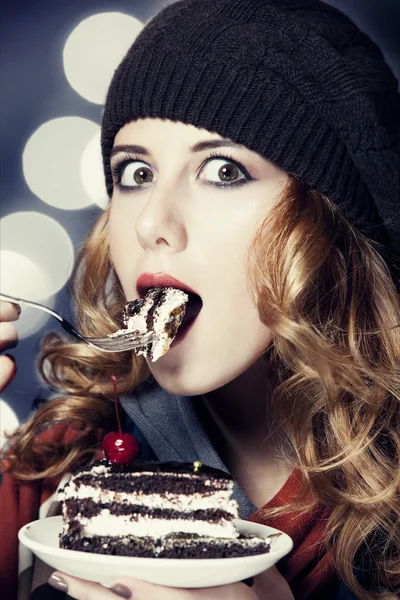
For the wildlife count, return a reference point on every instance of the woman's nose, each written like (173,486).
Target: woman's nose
(160,225)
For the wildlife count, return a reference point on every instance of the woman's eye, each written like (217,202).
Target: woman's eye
(221,171)
(134,174)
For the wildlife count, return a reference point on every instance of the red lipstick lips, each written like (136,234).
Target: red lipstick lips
(151,280)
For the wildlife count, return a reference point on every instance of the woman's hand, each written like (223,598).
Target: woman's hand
(127,587)
(269,585)
(8,339)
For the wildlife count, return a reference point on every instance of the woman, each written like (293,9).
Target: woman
(252,152)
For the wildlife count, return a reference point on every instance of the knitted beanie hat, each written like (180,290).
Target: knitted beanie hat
(294,80)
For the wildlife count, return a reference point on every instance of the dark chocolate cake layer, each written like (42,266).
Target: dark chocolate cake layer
(152,484)
(89,508)
(171,547)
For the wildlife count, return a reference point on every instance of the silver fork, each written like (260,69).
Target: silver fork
(125,341)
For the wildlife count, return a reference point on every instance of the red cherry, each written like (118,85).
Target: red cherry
(120,448)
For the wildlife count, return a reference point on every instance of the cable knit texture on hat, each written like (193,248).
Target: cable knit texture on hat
(294,80)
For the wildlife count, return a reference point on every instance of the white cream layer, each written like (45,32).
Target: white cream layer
(106,524)
(181,502)
(137,322)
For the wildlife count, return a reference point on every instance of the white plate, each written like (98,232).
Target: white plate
(42,538)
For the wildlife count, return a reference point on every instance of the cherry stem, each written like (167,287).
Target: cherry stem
(114,380)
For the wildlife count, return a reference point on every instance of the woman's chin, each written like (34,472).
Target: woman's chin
(179,385)
(191,382)
(193,367)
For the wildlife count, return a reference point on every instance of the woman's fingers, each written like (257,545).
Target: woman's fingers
(129,587)
(79,588)
(9,311)
(125,588)
(143,590)
(7,371)
(8,339)
(8,336)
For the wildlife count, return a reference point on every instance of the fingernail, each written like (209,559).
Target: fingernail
(11,357)
(121,591)
(18,308)
(58,582)
(249,581)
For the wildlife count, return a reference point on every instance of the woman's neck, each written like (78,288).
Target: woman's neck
(244,430)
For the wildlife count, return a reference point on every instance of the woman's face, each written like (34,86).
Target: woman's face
(187,203)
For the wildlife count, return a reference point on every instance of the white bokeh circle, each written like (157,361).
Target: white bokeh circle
(92,174)
(44,241)
(20,277)
(8,421)
(36,260)
(94,49)
(52,161)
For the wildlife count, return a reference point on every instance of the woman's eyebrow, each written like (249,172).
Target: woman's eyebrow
(130,148)
(210,144)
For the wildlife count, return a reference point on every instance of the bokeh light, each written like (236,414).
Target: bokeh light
(94,49)
(8,421)
(52,161)
(22,278)
(36,261)
(44,241)
(92,174)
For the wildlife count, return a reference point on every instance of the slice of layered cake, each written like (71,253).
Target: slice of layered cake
(164,510)
(161,312)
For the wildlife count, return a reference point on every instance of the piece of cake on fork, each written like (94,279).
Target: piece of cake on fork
(161,312)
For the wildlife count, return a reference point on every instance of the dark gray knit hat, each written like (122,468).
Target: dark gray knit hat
(294,80)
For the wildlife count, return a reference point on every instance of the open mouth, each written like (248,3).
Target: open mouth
(193,307)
